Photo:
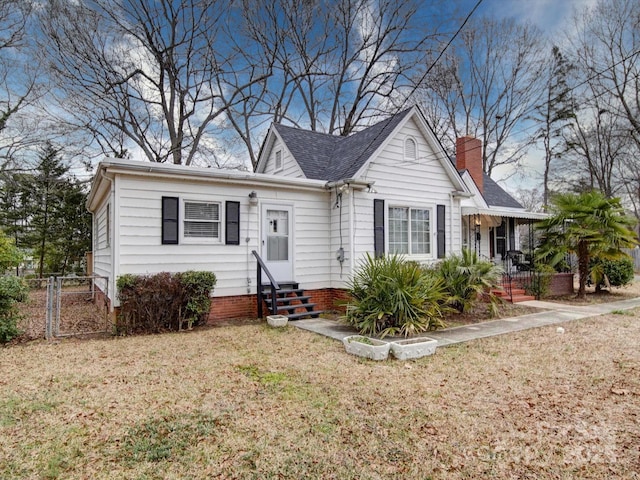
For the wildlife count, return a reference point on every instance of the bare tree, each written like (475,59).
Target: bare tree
(155,75)
(597,144)
(19,82)
(339,64)
(604,138)
(608,50)
(485,86)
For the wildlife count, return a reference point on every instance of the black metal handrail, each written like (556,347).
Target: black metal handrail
(518,268)
(273,284)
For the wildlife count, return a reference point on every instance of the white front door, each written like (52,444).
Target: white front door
(277,241)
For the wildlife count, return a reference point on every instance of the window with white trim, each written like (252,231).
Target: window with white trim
(409,231)
(201,220)
(278,161)
(410,149)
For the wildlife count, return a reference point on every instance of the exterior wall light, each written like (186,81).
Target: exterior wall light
(253,198)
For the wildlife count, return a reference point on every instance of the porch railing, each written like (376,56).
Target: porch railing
(272,283)
(519,270)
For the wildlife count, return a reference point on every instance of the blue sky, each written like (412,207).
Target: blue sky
(552,16)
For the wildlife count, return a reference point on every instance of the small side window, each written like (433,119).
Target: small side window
(278,161)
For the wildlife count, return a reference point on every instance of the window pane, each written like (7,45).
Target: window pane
(201,211)
(398,230)
(201,220)
(420,234)
(201,229)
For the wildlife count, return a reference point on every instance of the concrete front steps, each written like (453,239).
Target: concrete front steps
(517,294)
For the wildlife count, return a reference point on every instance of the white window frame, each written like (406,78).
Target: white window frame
(415,149)
(432,239)
(278,163)
(201,240)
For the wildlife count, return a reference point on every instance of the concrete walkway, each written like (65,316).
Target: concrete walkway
(553,313)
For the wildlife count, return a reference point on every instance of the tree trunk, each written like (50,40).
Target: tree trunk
(583,267)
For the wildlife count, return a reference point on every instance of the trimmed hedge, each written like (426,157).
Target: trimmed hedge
(164,301)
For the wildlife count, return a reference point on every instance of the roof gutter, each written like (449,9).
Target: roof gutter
(175,171)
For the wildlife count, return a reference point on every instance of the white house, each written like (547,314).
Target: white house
(316,204)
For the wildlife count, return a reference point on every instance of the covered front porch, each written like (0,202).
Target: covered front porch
(506,238)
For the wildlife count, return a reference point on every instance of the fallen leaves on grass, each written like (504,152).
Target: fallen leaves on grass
(251,402)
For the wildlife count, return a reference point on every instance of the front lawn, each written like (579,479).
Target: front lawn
(253,402)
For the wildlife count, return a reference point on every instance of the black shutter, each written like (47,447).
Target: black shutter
(378,227)
(512,234)
(441,230)
(170,220)
(232,223)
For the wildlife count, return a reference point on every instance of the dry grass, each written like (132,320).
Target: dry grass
(251,402)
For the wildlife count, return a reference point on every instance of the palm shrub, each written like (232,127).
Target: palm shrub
(393,296)
(467,278)
(588,225)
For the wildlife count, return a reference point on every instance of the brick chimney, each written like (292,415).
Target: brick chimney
(469,157)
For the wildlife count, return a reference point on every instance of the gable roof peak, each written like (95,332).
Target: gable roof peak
(329,157)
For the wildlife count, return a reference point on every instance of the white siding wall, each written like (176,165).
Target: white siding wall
(422,184)
(102,264)
(341,237)
(141,251)
(290,167)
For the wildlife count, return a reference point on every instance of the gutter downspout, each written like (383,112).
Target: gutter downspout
(352,230)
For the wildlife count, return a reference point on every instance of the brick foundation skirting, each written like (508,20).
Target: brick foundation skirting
(239,307)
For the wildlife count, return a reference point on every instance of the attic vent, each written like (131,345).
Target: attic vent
(410,149)
(278,162)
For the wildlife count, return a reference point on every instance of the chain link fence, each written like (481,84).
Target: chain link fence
(66,306)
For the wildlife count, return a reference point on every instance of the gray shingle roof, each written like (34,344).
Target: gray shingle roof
(495,196)
(332,158)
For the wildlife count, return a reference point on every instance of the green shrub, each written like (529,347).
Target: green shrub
(467,279)
(391,296)
(611,273)
(197,289)
(164,301)
(12,291)
(540,281)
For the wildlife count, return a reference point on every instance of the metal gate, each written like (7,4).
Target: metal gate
(77,306)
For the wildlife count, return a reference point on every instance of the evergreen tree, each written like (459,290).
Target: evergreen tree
(44,212)
(555,113)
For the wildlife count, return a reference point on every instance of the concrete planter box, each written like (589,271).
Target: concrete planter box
(413,348)
(366,347)
(277,321)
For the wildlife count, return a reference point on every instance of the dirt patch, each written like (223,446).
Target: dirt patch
(613,294)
